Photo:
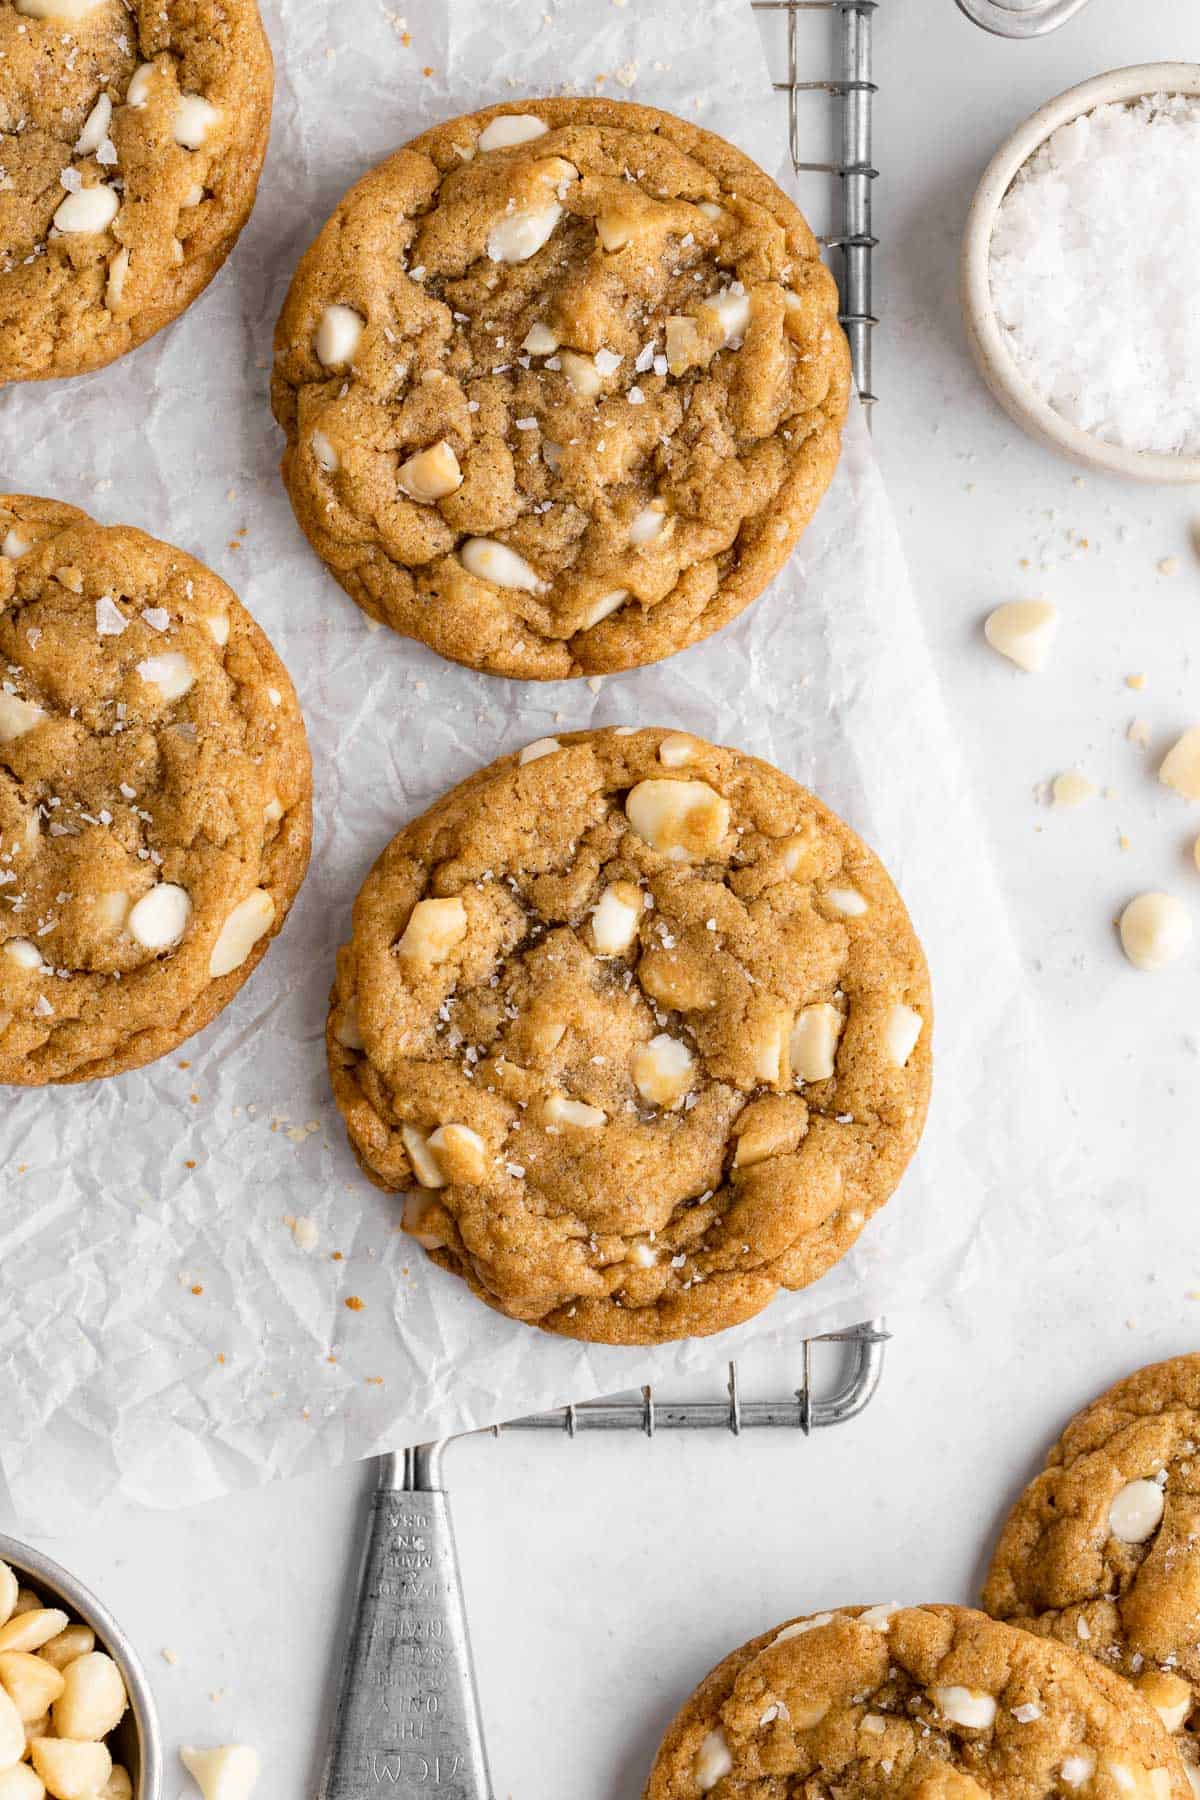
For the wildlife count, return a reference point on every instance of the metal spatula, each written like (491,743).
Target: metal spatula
(1010,18)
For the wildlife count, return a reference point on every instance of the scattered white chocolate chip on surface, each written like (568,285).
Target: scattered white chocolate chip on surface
(15,544)
(1024,632)
(434,928)
(228,1772)
(648,524)
(1169,1695)
(89,209)
(118,273)
(95,127)
(540,747)
(194,119)
(250,920)
(1155,930)
(490,561)
(562,1111)
(24,954)
(324,452)
(159,919)
(732,310)
(431,474)
(138,91)
(521,234)
(713,1761)
(17,716)
(583,377)
(814,1042)
(683,819)
(540,340)
(663,1070)
(69,12)
(339,335)
(604,606)
(1071,788)
(460,1152)
(1078,1769)
(1181,766)
(965,1706)
(426,1167)
(1136,1511)
(172,674)
(847,901)
(901,1030)
(676,750)
(510,128)
(615,918)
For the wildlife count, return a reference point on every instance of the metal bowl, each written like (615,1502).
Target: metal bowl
(1019,398)
(136,1742)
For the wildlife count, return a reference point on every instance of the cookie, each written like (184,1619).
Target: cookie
(131,140)
(641,1026)
(915,1703)
(155,795)
(562,383)
(1102,1550)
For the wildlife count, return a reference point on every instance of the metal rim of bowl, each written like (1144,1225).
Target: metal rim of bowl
(50,1577)
(1015,393)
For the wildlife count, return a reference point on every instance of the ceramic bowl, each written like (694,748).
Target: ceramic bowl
(996,363)
(136,1743)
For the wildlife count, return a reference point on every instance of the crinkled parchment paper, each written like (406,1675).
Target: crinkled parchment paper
(162,1335)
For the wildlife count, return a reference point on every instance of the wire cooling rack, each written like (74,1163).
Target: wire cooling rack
(407,1719)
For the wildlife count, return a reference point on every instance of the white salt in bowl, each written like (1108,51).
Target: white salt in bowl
(1016,394)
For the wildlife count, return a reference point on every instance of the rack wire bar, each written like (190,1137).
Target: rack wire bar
(407,1718)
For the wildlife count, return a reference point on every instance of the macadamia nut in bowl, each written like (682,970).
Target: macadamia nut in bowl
(77,1717)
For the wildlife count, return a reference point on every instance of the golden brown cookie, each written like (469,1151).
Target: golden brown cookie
(915,1703)
(641,1025)
(562,383)
(155,795)
(1102,1550)
(132,133)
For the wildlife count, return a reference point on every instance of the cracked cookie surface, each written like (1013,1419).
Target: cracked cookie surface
(562,383)
(1102,1550)
(132,134)
(917,1703)
(155,795)
(643,1029)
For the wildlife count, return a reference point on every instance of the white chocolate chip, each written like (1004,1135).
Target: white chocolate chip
(172,674)
(490,561)
(21,1783)
(1155,930)
(14,544)
(1071,788)
(17,717)
(95,128)
(847,901)
(733,314)
(663,1070)
(431,474)
(324,452)
(160,918)
(561,1111)
(138,91)
(112,910)
(461,1153)
(684,345)
(194,195)
(582,375)
(194,119)
(250,919)
(540,340)
(676,750)
(425,1165)
(118,273)
(273,810)
(814,1041)
(92,1699)
(771,1050)
(10,1591)
(540,747)
(1028,1713)
(1181,765)
(712,1761)
(606,604)
(71,1771)
(901,1029)
(1024,631)
(879,1618)
(68,12)
(348,1032)
(339,335)
(615,918)
(799,1628)
(226,1773)
(874,1724)
(683,819)
(434,928)
(520,234)
(965,1706)
(1078,1769)
(1136,1512)
(509,129)
(648,524)
(711,210)
(642,1254)
(24,953)
(1169,1695)
(32,1626)
(90,209)
(417,1206)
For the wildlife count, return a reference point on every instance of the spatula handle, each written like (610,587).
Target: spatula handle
(407,1722)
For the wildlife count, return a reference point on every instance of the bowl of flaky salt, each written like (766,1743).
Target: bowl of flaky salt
(1081,269)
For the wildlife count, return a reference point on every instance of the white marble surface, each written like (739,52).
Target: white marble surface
(605,1577)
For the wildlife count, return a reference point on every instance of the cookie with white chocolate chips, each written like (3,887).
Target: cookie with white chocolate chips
(1102,1550)
(643,1029)
(132,134)
(155,795)
(562,384)
(914,1703)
